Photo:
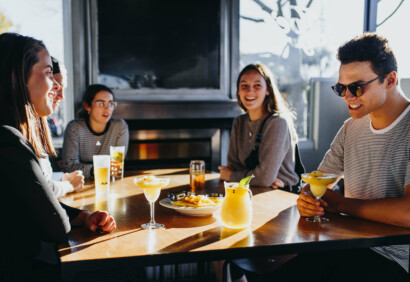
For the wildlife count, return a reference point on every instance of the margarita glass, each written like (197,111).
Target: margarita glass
(152,189)
(318,185)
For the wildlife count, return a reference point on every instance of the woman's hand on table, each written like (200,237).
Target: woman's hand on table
(100,221)
(307,205)
(75,178)
(224,173)
(278,184)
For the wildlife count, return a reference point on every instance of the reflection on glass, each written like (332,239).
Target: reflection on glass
(101,201)
(147,44)
(152,242)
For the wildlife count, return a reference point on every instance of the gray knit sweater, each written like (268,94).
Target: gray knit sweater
(81,143)
(276,151)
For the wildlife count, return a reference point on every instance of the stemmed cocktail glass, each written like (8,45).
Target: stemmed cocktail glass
(152,189)
(318,184)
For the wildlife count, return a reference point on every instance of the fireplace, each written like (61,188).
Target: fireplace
(171,134)
(161,148)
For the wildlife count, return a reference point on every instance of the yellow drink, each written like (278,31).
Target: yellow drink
(118,156)
(117,162)
(151,186)
(318,185)
(102,179)
(236,211)
(318,182)
(152,189)
(101,173)
(318,190)
(152,194)
(101,201)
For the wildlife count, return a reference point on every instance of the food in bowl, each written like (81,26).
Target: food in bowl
(198,201)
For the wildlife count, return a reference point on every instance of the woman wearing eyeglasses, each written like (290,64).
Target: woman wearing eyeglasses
(94,132)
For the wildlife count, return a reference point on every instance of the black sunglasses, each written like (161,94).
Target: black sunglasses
(354,88)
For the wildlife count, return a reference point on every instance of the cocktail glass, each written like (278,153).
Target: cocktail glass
(152,189)
(318,185)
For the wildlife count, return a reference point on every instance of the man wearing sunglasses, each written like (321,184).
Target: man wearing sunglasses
(372,152)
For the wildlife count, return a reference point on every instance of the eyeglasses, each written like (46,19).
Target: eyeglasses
(110,104)
(354,88)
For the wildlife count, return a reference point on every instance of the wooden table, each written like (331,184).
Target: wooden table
(276,229)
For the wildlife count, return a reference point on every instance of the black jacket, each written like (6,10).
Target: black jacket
(29,211)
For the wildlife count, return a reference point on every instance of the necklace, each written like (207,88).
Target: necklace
(250,132)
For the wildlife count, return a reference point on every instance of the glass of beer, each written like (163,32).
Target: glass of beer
(102,173)
(197,177)
(117,162)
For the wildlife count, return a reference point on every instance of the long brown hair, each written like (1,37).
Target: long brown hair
(274,102)
(18,56)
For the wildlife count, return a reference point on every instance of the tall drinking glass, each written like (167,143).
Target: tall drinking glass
(117,162)
(197,177)
(101,173)
(318,185)
(152,189)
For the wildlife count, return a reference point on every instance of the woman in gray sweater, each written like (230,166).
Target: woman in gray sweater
(267,113)
(94,132)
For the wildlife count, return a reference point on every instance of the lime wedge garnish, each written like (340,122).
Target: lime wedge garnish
(245,181)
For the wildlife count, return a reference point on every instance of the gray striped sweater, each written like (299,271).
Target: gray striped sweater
(375,165)
(81,143)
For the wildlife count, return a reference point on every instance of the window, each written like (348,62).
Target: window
(298,41)
(392,17)
(43,20)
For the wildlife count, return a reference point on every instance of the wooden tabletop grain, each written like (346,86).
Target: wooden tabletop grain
(276,228)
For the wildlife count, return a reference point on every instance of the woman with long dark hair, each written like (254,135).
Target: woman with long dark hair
(271,156)
(31,212)
(263,140)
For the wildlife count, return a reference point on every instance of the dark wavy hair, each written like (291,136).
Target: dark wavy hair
(59,67)
(89,95)
(274,102)
(370,47)
(18,56)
